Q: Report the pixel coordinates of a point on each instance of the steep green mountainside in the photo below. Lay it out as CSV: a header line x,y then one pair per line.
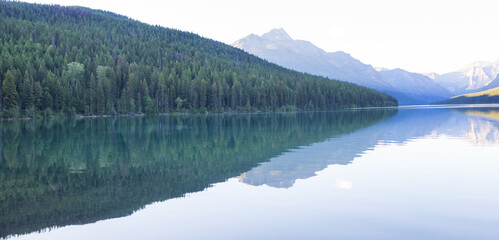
x,y
488,96
75,60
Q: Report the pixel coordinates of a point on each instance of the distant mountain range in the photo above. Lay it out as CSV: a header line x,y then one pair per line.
x,y
278,47
474,77
409,88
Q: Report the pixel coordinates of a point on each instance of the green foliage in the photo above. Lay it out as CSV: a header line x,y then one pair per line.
x,y
38,95
74,74
179,102
9,92
92,62
27,92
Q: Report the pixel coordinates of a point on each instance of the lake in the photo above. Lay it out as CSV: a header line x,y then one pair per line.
x,y
421,172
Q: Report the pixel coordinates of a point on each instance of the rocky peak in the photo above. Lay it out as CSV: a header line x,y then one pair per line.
x,y
277,34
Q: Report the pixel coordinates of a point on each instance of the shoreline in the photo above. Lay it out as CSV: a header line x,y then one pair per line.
x,y
186,113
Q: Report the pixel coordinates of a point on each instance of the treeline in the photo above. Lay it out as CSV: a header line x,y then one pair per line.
x,y
73,60
483,97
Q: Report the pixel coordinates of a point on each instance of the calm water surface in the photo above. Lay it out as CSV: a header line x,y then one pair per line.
x,y
407,173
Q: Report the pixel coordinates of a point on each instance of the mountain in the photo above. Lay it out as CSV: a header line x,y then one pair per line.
x,y
471,78
493,84
415,85
79,61
278,47
487,96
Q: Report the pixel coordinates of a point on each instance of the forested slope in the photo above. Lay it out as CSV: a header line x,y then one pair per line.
x,y
75,60
483,97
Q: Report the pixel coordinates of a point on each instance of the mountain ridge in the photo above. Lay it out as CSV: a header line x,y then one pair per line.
x,y
473,77
304,56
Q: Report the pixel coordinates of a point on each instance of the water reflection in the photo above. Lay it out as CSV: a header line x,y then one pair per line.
x,y
489,113
483,125
283,171
60,172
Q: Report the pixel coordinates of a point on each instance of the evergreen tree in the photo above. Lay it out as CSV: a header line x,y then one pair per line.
x,y
27,92
9,91
47,100
37,95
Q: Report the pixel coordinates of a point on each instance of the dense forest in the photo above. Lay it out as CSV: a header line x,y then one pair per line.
x,y
78,61
55,172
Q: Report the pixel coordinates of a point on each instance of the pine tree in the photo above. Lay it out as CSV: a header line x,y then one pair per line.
x,y
37,95
100,101
9,91
27,92
47,100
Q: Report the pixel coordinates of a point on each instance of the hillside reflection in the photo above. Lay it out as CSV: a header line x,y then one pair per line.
x,y
484,126
60,172
478,126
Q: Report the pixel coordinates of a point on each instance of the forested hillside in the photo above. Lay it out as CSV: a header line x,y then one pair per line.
x,y
74,60
488,96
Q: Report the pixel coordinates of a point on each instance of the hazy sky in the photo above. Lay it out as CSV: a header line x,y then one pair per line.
x,y
420,35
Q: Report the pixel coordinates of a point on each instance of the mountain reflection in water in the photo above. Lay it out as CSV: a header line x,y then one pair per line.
x,y
60,172
478,126
55,173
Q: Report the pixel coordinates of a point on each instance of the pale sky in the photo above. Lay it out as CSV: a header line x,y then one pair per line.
x,y
416,35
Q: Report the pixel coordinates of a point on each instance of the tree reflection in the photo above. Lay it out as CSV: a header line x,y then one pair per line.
x,y
60,172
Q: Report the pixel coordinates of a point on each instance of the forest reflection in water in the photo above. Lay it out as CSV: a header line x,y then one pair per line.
x,y
75,171
55,173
